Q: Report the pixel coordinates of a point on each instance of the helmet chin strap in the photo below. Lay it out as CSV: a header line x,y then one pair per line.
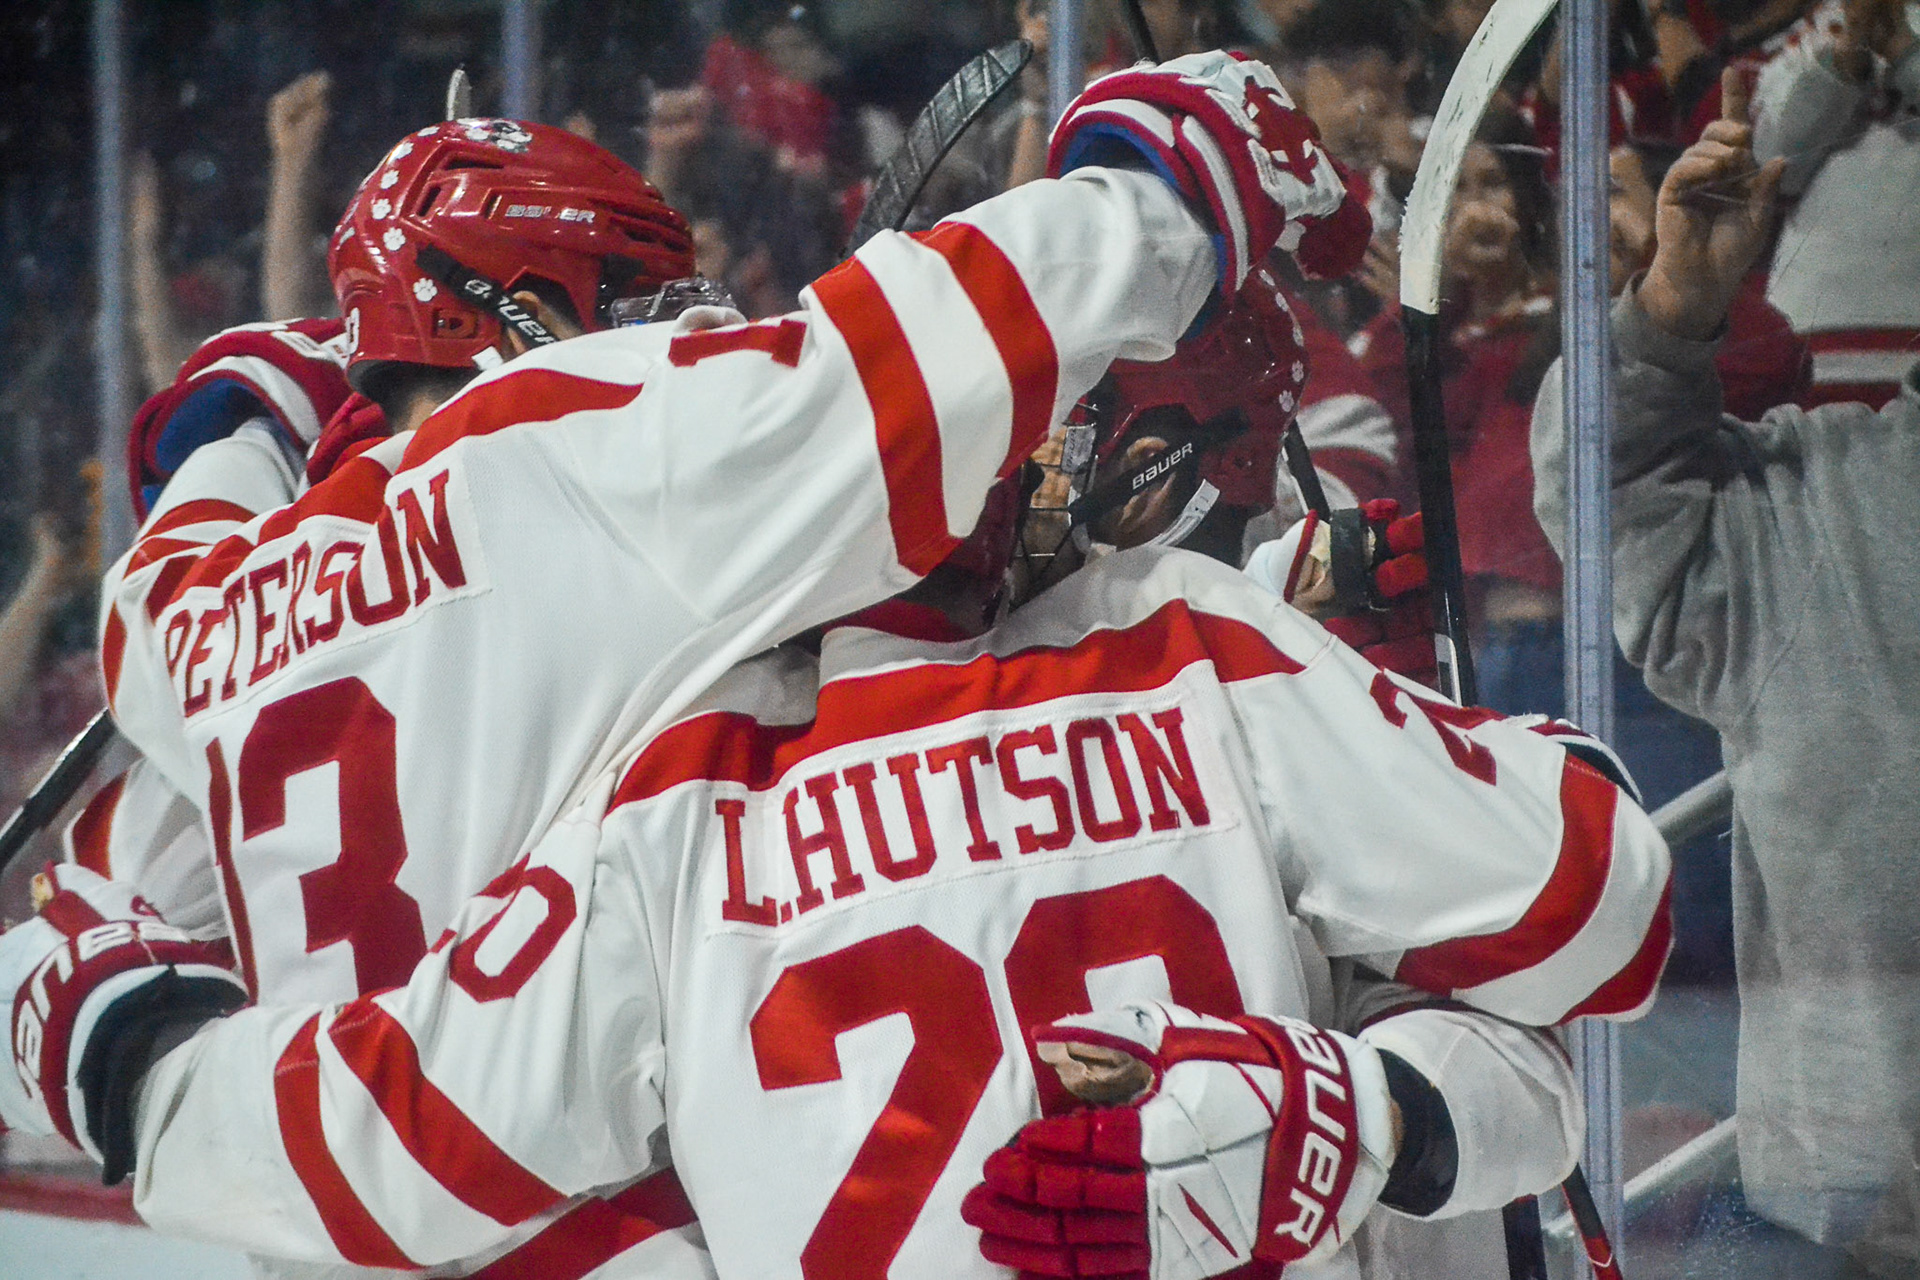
x,y
1159,468
1190,517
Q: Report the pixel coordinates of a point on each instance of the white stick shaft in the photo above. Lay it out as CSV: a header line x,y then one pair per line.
x,y
1505,30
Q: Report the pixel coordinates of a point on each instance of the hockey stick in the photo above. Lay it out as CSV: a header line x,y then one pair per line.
x,y
69,773
959,102
1506,29
459,95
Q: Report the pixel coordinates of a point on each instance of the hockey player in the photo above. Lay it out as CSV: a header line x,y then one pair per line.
x,y
801,934
1188,456
750,796
248,645
657,501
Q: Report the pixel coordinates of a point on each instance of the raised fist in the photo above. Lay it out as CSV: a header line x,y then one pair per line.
x,y
297,116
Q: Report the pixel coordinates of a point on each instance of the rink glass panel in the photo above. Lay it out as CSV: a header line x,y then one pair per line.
x,y
762,131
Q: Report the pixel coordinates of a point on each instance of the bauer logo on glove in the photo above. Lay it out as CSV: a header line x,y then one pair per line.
x,y
1218,1144
97,969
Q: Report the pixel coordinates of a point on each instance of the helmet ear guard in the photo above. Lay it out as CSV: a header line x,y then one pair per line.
x,y
1231,389
483,293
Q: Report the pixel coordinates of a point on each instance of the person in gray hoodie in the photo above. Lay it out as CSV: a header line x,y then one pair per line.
x,y
1767,580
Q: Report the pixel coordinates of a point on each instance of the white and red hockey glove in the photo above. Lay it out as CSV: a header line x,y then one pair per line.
x,y
293,374
1364,575
1222,131
88,986
1251,1143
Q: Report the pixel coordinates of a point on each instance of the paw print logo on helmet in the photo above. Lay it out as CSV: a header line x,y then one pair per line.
x,y
508,135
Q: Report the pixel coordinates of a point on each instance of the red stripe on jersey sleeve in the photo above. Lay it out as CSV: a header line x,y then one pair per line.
x,y
156,543
1633,986
165,587
92,828
296,1094
998,293
211,567
782,339
730,747
197,511
438,1135
535,395
356,491
113,651
1564,904
153,550
595,1232
905,429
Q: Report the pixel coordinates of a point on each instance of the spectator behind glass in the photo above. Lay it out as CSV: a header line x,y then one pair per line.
x,y
1181,27
49,677
293,243
174,311
1641,88
1347,64
762,229
1004,148
1840,105
1500,334
766,71
1765,578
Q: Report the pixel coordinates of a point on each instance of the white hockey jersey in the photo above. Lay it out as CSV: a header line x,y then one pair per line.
x,y
446,640
447,636
798,937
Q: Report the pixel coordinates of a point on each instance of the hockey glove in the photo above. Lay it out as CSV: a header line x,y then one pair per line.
x,y
1253,1141
1222,131
355,427
87,985
292,374
1364,575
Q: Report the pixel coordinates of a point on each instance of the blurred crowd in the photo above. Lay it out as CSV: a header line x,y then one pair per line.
x,y
763,120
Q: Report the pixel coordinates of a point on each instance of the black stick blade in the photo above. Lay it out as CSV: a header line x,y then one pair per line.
x,y
960,101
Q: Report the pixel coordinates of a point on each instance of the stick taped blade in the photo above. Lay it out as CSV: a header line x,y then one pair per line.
x,y
960,101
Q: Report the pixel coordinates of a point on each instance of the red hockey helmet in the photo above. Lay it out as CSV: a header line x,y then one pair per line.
x,y
466,204
1251,358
